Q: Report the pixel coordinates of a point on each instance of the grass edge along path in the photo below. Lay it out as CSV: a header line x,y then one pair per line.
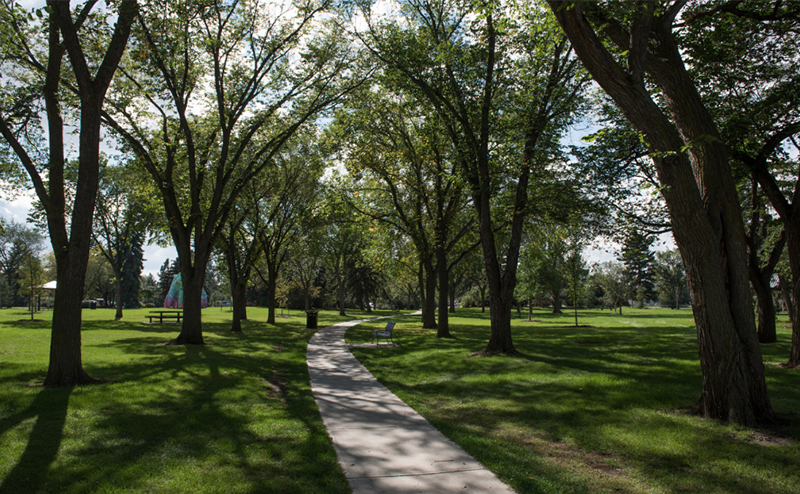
x,y
592,409
236,415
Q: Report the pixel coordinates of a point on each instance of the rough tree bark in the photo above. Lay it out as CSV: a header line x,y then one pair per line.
x,y
429,297
761,276
786,294
692,167
789,213
118,291
71,247
72,255
557,302
193,276
443,325
793,242
239,270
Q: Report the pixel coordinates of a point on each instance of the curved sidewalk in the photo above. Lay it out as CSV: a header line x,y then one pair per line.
x,y
383,445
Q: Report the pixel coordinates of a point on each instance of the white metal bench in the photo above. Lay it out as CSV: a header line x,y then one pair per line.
x,y
386,334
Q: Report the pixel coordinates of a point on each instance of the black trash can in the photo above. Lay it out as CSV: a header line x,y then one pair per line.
x,y
311,319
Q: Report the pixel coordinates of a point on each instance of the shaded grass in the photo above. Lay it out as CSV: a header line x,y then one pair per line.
x,y
591,409
233,416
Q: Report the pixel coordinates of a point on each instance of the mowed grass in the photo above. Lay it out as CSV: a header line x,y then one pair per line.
x,y
234,416
591,409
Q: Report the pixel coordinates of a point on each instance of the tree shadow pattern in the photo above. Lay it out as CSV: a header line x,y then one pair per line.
x,y
236,415
599,409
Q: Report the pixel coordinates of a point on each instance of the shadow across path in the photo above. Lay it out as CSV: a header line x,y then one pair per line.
x,y
382,444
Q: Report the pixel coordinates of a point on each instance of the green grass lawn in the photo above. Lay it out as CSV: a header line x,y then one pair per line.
x,y
591,409
234,416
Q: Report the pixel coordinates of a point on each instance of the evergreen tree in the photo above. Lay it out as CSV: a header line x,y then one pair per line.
x,y
166,274
671,278
148,289
133,263
638,261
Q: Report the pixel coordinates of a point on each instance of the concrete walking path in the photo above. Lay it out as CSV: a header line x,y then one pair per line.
x,y
384,445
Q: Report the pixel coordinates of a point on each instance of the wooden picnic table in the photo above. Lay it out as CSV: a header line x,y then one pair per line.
x,y
165,314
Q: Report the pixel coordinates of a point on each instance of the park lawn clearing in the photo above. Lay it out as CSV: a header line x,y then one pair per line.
x,y
591,409
234,416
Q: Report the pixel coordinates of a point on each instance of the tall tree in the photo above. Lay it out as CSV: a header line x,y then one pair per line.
x,y
118,229
576,274
280,219
611,276
765,246
409,181
37,68
131,272
343,232
166,274
638,260
16,243
216,93
304,267
240,249
484,76
148,288
670,277
31,278
744,60
692,167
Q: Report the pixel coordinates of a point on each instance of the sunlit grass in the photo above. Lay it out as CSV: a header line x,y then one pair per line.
x,y
591,409
236,415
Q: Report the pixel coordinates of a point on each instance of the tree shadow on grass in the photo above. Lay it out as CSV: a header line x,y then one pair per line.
x,y
238,412
50,409
549,419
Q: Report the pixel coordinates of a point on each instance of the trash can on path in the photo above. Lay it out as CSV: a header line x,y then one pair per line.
x,y
311,319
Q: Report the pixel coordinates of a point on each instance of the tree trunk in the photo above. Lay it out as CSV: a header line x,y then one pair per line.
x,y
239,303
786,294
501,278
429,302
118,292
239,270
72,250
793,248
271,289
192,279
342,294
421,285
443,326
703,206
765,307
66,367
500,337
452,299
557,302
